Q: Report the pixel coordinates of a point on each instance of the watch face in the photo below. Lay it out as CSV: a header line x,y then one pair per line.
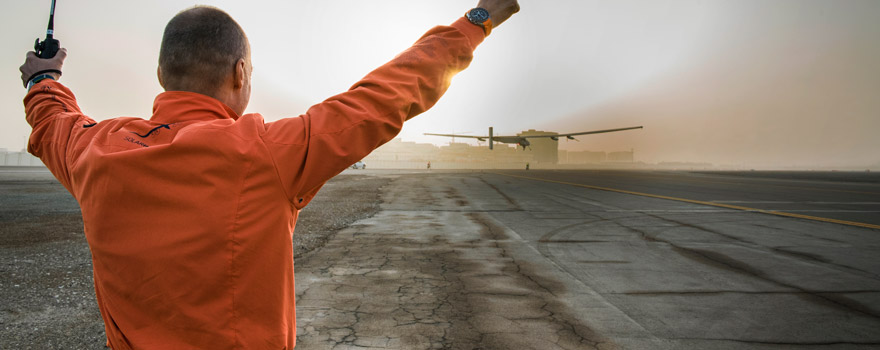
x,y
478,15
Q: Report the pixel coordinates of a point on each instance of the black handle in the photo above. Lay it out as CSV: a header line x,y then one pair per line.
x,y
47,48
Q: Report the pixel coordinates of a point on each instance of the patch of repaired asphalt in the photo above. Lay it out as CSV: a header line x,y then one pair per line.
x,y
429,272
342,201
47,297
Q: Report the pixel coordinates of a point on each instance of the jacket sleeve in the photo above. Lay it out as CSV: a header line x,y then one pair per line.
x,y
311,149
52,112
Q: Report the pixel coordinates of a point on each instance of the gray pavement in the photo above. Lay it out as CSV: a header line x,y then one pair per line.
x,y
490,261
479,260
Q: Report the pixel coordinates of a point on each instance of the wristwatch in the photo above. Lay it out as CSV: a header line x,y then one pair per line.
x,y
37,79
480,17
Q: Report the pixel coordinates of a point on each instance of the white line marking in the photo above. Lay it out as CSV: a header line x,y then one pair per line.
x,y
784,202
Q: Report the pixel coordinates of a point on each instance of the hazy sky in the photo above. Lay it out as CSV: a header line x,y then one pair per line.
x,y
767,83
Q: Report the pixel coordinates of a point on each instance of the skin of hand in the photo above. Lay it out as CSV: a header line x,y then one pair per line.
x,y
33,64
499,10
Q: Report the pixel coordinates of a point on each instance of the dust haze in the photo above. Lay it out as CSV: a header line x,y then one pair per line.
x,y
775,84
759,84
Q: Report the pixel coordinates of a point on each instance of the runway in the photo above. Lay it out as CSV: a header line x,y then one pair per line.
x,y
538,260
852,200
701,276
547,260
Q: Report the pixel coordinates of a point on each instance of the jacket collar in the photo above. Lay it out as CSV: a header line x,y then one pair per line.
x,y
178,106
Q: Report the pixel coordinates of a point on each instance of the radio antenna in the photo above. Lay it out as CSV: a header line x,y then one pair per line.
x,y
49,47
51,29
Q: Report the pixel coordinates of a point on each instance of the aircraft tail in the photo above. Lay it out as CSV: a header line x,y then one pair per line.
x,y
490,138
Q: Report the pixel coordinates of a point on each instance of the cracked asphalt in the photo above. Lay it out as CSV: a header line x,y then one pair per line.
x,y
431,271
484,261
470,260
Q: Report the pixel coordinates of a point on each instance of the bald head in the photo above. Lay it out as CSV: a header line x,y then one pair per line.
x,y
200,50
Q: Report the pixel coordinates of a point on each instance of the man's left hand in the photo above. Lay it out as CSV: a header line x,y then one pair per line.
x,y
33,64
499,10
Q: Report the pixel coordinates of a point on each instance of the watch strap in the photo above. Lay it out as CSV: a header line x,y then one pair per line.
x,y
485,24
44,71
39,78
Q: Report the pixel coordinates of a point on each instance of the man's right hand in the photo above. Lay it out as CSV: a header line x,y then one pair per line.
x,y
499,10
33,64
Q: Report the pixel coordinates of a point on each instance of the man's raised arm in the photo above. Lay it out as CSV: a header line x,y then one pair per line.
x,y
51,110
347,127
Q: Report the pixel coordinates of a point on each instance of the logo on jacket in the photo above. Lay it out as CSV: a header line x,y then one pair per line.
x,y
154,130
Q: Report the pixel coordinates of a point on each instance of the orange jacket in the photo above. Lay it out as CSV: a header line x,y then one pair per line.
x,y
189,215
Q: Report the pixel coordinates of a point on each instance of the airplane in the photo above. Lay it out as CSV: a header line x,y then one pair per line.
x,y
523,140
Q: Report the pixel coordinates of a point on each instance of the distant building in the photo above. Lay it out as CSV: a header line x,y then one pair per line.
x,y
399,150
543,153
546,150
624,156
581,157
402,154
685,165
18,158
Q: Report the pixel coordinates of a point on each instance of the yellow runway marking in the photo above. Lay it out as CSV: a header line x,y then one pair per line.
x,y
751,184
722,205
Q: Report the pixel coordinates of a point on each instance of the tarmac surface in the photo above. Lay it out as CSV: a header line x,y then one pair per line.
x,y
508,260
521,260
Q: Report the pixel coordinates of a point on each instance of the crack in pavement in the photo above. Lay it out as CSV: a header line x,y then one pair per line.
x,y
824,294
439,279
781,250
717,259
551,289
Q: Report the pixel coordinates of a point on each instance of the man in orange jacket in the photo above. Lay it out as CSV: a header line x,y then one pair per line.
x,y
189,214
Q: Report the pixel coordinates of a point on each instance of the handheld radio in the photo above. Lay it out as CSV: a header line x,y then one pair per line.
x,y
48,47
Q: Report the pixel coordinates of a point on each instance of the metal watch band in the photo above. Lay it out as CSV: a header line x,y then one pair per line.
x,y
37,79
480,17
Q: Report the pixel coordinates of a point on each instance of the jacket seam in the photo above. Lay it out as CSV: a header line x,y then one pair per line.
x,y
232,260
290,199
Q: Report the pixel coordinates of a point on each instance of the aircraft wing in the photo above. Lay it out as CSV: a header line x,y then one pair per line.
x,y
522,139
583,133
466,136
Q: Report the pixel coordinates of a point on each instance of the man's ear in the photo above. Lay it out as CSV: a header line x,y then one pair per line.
x,y
239,74
159,75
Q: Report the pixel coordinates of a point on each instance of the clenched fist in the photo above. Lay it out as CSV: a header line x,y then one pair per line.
x,y
33,64
499,10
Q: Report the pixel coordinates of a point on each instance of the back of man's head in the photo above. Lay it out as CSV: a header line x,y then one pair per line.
x,y
200,48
